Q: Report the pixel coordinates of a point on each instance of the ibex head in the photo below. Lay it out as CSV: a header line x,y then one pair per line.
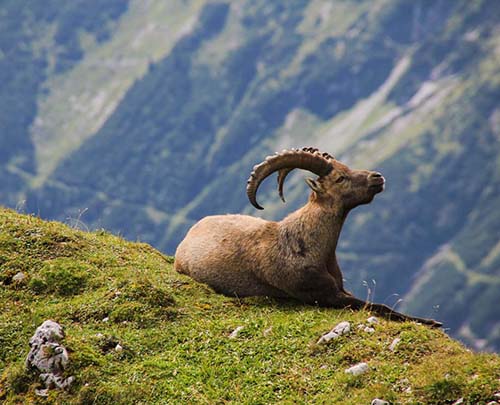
x,y
337,186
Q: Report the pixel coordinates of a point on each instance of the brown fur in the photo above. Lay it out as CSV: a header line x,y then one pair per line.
x,y
239,255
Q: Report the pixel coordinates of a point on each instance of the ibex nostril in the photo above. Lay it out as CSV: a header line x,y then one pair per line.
x,y
375,174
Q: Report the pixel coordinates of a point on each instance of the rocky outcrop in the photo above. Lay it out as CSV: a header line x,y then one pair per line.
x,y
49,357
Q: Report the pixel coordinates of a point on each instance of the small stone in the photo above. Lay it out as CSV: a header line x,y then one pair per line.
x,y
56,381
368,329
405,385
19,277
341,329
358,369
118,348
268,331
48,331
372,320
394,344
99,335
497,395
105,319
235,332
327,337
458,401
44,393
377,401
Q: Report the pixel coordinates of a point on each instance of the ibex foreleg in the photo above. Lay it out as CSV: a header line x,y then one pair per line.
x,y
347,300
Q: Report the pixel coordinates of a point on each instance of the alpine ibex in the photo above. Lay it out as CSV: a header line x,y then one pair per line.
x,y
240,255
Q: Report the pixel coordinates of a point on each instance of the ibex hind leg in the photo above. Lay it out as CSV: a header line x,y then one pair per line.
x,y
346,300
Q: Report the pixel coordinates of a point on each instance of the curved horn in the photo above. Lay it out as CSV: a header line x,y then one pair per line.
x,y
284,172
281,180
307,158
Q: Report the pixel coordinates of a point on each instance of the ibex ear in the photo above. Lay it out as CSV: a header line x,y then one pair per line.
x,y
315,185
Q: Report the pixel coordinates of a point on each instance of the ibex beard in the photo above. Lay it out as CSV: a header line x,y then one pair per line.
x,y
241,255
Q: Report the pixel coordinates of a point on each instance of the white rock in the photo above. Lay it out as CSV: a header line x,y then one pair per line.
x,y
118,348
48,331
99,335
42,392
497,395
372,320
18,277
48,356
235,332
377,401
105,319
394,344
357,369
56,381
458,401
267,331
368,329
327,337
342,328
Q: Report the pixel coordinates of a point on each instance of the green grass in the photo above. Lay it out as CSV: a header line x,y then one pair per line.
x,y
175,334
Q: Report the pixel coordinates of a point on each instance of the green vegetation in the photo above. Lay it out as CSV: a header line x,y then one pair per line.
x,y
147,116
175,332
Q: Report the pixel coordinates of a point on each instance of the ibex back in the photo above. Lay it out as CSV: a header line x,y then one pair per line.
x,y
240,255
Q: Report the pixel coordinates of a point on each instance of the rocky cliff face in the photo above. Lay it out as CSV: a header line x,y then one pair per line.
x,y
152,116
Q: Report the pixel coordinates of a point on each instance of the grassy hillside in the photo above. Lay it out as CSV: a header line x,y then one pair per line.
x,y
175,334
147,116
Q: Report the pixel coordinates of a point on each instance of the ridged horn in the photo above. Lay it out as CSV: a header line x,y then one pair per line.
x,y
306,158
284,172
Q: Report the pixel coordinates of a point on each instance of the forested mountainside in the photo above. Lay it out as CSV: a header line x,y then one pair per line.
x,y
141,117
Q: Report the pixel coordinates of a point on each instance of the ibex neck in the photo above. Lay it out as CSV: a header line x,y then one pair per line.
x,y
319,229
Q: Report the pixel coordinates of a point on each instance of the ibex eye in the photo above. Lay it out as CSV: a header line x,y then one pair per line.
x,y
340,179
